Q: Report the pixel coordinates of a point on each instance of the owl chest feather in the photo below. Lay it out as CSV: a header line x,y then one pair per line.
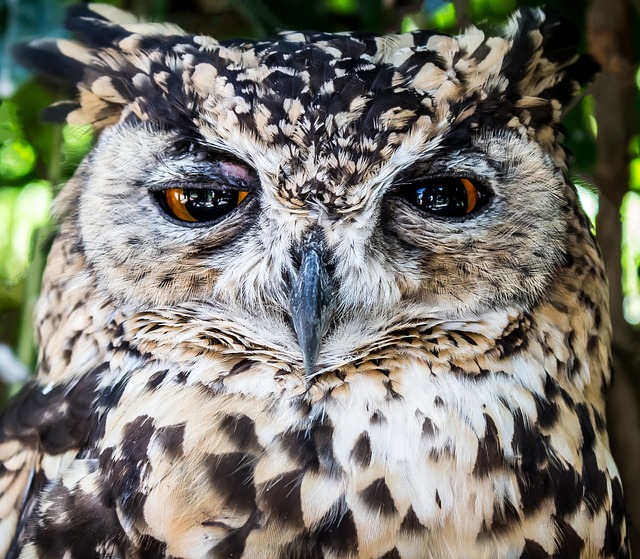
x,y
394,459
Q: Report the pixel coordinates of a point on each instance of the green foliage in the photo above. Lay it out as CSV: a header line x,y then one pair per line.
x,y
589,201
491,9
634,164
22,210
17,156
444,17
76,143
580,137
343,7
17,159
631,256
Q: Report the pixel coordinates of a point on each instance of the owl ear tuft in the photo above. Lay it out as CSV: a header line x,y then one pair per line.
x,y
101,63
542,74
560,46
544,61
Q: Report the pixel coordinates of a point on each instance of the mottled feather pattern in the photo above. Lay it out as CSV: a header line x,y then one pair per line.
x,y
455,405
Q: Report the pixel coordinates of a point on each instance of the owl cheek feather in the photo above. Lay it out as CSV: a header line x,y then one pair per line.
x,y
310,300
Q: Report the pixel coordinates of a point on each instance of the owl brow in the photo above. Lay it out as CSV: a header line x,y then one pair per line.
x,y
436,165
187,141
201,151
451,153
206,173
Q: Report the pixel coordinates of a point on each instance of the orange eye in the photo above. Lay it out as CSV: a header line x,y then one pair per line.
x,y
472,194
446,196
199,204
177,204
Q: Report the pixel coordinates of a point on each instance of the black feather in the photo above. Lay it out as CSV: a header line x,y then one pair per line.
x,y
560,37
94,32
44,57
83,11
59,111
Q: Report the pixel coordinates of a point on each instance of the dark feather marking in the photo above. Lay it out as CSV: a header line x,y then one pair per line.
x,y
429,429
232,476
59,418
466,337
92,29
516,339
156,379
151,548
361,452
548,412
44,57
75,522
171,438
232,546
490,452
410,523
595,481
241,366
124,473
614,543
534,479
182,377
302,547
568,488
533,550
241,429
301,448
108,399
570,544
505,517
55,421
322,437
280,498
378,497
337,531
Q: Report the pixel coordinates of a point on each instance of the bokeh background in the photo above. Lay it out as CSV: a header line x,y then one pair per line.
x,y
602,132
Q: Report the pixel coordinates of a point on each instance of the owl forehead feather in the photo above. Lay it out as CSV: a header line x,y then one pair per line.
x,y
299,86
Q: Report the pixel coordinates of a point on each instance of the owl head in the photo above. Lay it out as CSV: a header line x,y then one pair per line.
x,y
319,192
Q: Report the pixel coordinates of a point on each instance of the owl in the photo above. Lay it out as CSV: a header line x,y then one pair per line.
x,y
326,296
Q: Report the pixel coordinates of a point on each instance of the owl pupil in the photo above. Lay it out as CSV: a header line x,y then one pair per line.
x,y
439,199
206,205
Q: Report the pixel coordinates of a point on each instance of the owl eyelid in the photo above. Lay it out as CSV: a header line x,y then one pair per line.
x,y
231,186
212,160
409,181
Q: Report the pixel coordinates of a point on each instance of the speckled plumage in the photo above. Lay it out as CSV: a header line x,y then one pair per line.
x,y
455,407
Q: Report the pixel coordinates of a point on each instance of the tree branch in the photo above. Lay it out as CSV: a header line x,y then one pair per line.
x,y
610,40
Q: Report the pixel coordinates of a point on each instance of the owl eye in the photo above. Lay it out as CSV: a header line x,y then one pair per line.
x,y
446,196
199,204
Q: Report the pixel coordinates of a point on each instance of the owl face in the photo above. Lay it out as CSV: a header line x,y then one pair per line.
x,y
321,186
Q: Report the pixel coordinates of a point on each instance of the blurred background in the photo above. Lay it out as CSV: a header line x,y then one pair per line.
x,y
602,132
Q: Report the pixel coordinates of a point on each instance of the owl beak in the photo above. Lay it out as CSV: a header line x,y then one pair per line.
x,y
310,301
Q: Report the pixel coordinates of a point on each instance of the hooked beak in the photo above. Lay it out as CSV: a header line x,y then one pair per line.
x,y
310,301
